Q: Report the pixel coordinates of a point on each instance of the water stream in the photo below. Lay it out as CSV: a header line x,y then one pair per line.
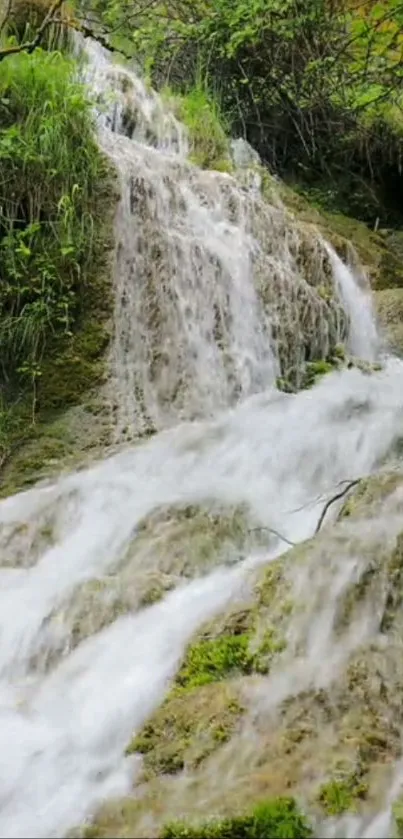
x,y
195,357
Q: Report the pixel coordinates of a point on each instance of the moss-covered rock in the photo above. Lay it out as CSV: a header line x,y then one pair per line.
x,y
370,493
275,819
188,728
381,255
389,307
322,720
171,544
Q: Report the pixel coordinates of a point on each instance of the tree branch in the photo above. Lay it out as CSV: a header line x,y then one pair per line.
x,y
275,532
334,498
30,46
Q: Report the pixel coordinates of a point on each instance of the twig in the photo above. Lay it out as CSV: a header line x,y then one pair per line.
x,y
333,499
275,532
317,499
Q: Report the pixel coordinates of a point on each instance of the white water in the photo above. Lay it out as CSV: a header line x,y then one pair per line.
x,y
64,728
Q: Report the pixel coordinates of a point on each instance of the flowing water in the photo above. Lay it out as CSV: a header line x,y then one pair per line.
x,y
210,292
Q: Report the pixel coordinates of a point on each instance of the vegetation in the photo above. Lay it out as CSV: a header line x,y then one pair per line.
x,y
54,212
199,110
274,819
339,795
187,729
315,86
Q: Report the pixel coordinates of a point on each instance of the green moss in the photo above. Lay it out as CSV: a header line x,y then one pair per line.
x,y
277,818
212,659
314,370
339,795
187,729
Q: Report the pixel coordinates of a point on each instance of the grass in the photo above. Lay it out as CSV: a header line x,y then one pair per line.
x,y
208,130
275,819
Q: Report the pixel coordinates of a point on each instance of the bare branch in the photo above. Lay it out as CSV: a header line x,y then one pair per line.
x,y
275,533
333,499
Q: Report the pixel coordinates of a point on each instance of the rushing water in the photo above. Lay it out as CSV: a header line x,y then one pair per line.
x,y
224,434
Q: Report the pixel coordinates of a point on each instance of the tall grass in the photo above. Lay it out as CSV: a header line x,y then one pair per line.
x,y
199,109
51,177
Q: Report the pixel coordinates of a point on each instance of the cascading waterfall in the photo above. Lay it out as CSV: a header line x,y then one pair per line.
x,y
215,292
216,289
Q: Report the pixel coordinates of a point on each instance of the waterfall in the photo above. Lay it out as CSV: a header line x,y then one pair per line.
x,y
217,291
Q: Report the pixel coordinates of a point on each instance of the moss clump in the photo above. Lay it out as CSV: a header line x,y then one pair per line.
x,y
212,659
187,729
341,794
276,819
314,370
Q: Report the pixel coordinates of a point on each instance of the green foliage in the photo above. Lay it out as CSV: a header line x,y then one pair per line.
x,y
316,87
274,819
52,192
338,796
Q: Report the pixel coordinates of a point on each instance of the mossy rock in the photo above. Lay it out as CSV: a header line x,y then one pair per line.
x,y
380,256
269,817
188,728
389,308
171,544
370,493
333,746
72,438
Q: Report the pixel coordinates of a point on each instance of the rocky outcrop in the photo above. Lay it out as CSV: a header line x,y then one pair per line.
x,y
296,690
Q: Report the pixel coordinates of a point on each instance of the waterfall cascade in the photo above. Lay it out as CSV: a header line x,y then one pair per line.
x,y
216,292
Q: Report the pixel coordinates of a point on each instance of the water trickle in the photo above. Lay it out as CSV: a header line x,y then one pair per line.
x,y
216,291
